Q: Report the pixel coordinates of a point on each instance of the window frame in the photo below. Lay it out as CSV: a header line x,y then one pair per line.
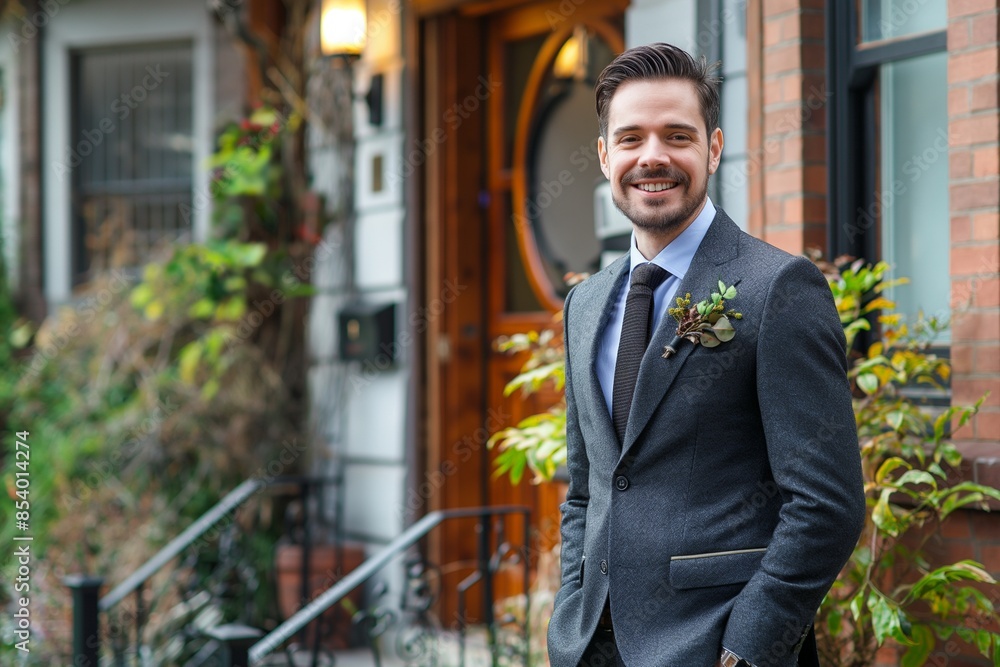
x,y
852,121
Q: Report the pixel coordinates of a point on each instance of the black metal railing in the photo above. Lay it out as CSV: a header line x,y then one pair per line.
x,y
127,629
489,562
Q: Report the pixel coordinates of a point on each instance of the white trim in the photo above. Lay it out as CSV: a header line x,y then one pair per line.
x,y
10,166
719,553
103,23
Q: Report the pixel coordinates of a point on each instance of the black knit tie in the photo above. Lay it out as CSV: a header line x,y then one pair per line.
x,y
636,330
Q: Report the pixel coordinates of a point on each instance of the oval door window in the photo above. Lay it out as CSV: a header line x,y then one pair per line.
x,y
561,169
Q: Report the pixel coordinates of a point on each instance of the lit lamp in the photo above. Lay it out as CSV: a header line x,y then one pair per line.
x,y
571,61
343,28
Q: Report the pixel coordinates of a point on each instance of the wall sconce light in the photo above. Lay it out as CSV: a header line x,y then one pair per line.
x,y
571,61
343,34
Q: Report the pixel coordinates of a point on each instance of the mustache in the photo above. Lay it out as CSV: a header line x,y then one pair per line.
x,y
666,174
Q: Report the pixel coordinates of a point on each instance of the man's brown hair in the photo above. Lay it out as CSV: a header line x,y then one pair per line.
x,y
660,61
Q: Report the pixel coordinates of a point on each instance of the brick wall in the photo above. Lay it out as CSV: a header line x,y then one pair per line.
x,y
787,202
974,135
789,147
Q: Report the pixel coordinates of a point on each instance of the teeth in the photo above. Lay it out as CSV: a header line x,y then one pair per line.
x,y
656,187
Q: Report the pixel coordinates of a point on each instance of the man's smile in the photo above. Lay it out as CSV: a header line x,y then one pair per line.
x,y
659,186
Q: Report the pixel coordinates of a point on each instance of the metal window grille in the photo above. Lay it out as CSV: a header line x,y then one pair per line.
x,y
131,155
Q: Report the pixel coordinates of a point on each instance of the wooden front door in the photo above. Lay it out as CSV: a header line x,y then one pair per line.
x,y
487,82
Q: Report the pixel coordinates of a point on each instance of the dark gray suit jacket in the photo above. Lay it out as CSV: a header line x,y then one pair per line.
x,y
737,495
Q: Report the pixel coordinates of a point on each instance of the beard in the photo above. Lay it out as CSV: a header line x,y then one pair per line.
x,y
665,217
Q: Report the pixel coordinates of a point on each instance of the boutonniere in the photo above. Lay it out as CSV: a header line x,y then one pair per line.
x,y
707,322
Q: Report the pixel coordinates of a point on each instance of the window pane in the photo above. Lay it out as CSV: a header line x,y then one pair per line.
x,y
914,181
132,153
885,19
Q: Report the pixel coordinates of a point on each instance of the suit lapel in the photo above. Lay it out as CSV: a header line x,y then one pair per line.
x,y
720,246
587,340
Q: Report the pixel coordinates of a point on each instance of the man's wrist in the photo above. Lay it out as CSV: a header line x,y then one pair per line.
x,y
730,659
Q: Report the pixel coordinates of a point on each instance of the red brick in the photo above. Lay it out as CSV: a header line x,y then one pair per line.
x,y
960,164
782,59
958,34
975,259
956,526
772,212
961,358
984,96
951,551
985,527
961,293
986,162
984,29
961,229
972,66
815,179
976,130
772,32
804,210
987,359
966,391
987,292
813,25
787,180
773,91
957,8
978,326
789,240
791,87
773,8
965,196
986,226
989,556
988,428
958,100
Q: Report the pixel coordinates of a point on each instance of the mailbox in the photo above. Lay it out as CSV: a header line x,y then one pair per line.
x,y
367,331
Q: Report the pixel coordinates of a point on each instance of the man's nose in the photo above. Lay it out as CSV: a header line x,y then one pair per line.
x,y
654,153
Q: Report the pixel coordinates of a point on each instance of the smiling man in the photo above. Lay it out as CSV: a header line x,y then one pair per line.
x,y
715,492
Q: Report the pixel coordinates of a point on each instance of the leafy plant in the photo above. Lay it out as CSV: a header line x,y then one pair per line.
x,y
889,589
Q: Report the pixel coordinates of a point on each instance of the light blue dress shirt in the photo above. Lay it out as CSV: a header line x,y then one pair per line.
x,y
675,258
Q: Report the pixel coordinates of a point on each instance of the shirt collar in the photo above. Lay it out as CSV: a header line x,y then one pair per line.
x,y
677,256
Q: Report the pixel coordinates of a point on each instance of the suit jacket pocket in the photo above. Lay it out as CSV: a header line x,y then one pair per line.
x,y
719,568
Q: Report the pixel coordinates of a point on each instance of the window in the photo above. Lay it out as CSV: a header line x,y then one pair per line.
x,y
888,143
131,157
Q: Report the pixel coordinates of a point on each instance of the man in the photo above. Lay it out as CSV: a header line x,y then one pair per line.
x,y
715,494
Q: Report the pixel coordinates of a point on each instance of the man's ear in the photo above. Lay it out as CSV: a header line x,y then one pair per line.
x,y
602,153
715,145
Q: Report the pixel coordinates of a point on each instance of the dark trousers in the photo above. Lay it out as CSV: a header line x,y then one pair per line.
x,y
602,650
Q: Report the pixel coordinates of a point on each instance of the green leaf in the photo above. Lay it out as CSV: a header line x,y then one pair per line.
x,y
888,466
722,287
189,357
202,309
917,477
983,641
868,382
918,652
883,516
730,293
723,329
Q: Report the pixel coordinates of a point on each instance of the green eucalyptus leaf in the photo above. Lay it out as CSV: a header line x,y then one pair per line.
x,y
723,329
708,339
730,293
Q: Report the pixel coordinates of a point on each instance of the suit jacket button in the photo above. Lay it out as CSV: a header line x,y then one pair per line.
x,y
621,482
604,566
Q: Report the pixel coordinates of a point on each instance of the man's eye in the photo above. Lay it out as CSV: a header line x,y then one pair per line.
x,y
680,137
629,140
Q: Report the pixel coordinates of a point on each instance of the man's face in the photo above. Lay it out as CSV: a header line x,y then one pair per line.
x,y
658,154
